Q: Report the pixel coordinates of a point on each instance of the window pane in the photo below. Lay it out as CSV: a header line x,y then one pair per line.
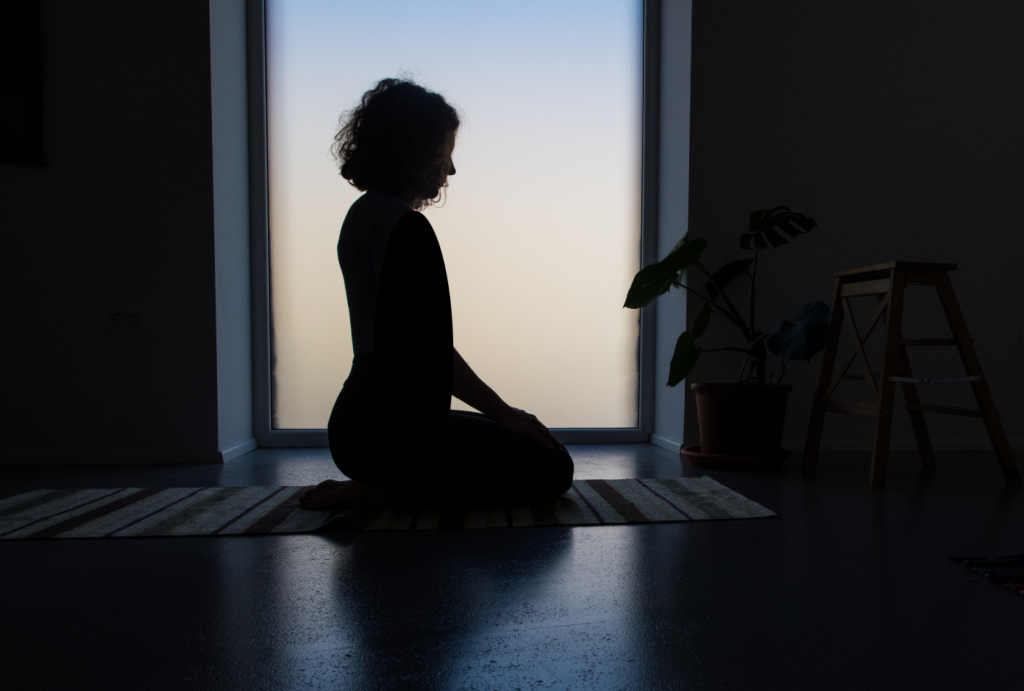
x,y
541,226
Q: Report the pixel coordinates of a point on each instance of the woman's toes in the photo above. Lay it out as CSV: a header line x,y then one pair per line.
x,y
325,495
331,494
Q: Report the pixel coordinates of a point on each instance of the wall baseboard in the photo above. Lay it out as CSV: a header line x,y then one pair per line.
x,y
233,452
198,458
665,443
982,444
797,446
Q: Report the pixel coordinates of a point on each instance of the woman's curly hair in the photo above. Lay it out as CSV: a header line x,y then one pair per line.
x,y
394,141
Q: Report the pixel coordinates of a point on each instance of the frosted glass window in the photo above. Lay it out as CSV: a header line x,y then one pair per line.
x,y
541,227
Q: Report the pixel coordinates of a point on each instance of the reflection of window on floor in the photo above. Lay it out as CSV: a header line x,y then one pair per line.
x,y
541,229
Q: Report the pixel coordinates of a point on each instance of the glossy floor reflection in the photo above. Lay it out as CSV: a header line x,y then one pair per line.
x,y
850,588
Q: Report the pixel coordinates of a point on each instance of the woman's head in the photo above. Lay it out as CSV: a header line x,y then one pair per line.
x,y
398,140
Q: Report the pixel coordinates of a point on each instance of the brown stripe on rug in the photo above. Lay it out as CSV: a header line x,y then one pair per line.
x,y
60,504
627,509
204,502
161,508
277,515
177,511
667,501
99,512
42,497
586,503
252,508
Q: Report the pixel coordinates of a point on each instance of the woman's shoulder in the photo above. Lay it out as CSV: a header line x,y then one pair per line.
x,y
374,211
381,204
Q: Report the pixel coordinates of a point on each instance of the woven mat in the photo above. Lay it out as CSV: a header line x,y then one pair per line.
x,y
181,511
1007,571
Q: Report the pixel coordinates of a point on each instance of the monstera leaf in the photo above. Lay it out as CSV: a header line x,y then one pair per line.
x,y
763,224
726,275
700,324
656,279
801,340
684,359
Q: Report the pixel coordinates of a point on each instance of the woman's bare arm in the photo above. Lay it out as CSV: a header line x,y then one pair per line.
x,y
471,390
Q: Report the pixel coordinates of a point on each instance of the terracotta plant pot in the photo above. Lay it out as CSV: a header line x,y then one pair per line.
x,y
740,425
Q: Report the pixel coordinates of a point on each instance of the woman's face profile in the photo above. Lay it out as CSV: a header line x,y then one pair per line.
x,y
446,164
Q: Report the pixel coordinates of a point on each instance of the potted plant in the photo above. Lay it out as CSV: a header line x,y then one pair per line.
x,y
740,423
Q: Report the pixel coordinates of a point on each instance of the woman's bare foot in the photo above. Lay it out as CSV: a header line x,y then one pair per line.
x,y
331,494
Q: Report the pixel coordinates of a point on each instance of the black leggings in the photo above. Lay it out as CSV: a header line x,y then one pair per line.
x,y
477,462
392,426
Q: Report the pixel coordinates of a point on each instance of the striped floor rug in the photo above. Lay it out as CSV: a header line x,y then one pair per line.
x,y
180,511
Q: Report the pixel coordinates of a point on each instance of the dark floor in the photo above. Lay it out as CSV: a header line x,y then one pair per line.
x,y
850,588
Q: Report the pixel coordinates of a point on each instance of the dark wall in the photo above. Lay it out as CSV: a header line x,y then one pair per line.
x,y
899,126
120,217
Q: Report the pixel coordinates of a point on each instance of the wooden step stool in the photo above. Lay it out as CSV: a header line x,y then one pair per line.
x,y
888,282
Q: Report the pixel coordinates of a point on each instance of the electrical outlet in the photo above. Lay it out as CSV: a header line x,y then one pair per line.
x,y
122,321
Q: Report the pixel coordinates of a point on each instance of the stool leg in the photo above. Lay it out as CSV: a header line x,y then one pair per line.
x,y
883,426
828,363
924,442
969,356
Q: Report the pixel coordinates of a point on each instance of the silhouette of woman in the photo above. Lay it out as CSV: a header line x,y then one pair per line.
x,y
392,430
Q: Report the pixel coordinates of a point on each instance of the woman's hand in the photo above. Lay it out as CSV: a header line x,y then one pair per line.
x,y
469,388
522,422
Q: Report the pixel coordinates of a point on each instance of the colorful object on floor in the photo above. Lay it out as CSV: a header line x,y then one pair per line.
x,y
181,511
1007,571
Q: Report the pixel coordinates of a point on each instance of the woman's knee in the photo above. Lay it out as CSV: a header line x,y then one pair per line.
x,y
566,469
557,472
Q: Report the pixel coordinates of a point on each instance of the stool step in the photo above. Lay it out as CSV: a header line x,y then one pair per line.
x,y
877,287
850,407
945,409
927,341
926,380
914,266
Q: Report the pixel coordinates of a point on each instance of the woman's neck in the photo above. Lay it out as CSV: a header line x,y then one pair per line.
x,y
410,202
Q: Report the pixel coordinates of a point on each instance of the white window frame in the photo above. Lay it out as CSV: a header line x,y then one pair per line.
x,y
260,244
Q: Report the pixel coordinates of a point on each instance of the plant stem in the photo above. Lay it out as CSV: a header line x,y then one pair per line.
x,y
738,320
705,299
743,367
759,361
753,282
756,340
757,346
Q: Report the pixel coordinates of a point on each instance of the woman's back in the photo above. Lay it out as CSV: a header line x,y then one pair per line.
x,y
361,249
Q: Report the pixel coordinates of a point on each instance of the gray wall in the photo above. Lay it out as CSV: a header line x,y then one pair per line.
x,y
231,225
898,127
673,201
122,216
